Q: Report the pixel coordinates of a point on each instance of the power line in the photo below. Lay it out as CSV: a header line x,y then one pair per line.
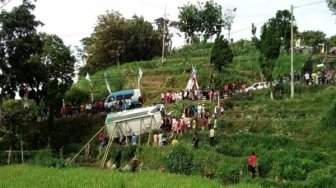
x,y
246,28
5,4
299,6
316,2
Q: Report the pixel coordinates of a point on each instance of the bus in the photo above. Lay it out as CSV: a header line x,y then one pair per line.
x,y
135,121
123,100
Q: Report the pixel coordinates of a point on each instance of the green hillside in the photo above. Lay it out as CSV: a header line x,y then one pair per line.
x,y
293,142
173,74
294,139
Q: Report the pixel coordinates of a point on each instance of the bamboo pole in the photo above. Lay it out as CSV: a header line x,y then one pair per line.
x,y
87,144
140,131
151,129
102,165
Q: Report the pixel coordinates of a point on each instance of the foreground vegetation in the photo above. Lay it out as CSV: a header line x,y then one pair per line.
x,y
34,176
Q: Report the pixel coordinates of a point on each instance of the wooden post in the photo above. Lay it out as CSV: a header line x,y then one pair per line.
x,y
126,123
140,132
87,144
108,148
150,131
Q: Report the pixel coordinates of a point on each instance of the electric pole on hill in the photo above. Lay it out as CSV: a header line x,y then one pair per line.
x,y
163,35
292,55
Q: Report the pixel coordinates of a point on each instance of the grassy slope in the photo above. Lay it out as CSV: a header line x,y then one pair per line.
x,y
174,73
275,129
33,176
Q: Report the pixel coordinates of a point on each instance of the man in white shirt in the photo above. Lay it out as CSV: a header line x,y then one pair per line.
x,y
212,137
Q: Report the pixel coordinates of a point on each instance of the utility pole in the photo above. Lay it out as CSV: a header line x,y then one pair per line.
x,y
163,35
292,55
230,15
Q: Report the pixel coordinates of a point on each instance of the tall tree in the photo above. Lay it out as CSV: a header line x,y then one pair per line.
x,y
18,42
189,21
332,5
55,62
274,36
211,16
14,126
281,22
313,38
332,41
169,25
221,54
108,40
116,39
144,42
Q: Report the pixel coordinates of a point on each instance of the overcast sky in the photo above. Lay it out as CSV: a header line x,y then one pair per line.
x,y
73,20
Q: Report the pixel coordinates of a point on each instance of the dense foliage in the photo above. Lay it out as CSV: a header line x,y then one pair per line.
x,y
332,5
221,54
30,60
206,19
116,39
181,160
313,39
18,42
275,34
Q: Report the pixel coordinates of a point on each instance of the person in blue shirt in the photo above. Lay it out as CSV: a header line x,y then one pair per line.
x,y
134,139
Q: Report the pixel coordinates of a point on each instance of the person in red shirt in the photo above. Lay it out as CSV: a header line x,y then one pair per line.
x,y
252,164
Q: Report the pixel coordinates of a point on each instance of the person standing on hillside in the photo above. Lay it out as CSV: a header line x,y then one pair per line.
x,y
194,125
155,139
160,139
195,141
134,139
307,78
252,164
212,137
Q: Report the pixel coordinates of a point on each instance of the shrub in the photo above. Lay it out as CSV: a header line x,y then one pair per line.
x,y
230,172
46,158
265,164
329,120
77,95
129,152
230,150
291,169
322,178
228,105
180,160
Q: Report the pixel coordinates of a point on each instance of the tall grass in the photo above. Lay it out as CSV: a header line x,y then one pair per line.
x,y
33,176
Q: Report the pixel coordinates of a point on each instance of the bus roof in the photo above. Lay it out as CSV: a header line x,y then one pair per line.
x,y
123,94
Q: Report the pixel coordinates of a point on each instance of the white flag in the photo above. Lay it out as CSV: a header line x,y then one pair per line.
x,y
63,102
139,76
87,77
107,83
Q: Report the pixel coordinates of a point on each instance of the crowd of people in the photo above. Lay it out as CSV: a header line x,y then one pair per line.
x,y
320,77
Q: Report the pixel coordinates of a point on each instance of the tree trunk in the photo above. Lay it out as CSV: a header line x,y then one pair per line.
x,y
21,145
10,155
50,125
271,89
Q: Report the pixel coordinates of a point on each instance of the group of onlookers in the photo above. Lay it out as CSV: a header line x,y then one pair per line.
x,y
320,77
196,94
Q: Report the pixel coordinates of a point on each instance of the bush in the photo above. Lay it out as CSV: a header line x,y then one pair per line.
x,y
329,120
230,172
77,96
322,178
230,150
129,152
46,158
265,164
291,169
181,160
